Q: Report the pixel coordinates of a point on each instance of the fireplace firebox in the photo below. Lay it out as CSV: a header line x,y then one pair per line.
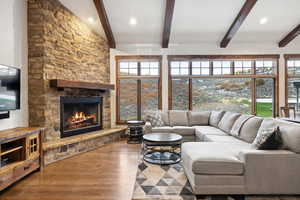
x,y
80,115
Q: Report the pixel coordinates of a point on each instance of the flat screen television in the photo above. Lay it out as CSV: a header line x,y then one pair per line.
x,y
10,86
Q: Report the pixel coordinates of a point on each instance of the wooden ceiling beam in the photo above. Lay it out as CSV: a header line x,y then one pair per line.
x,y
105,23
168,23
247,7
289,37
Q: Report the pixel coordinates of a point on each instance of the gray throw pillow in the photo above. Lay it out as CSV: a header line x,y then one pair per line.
x,y
227,121
215,117
268,139
154,118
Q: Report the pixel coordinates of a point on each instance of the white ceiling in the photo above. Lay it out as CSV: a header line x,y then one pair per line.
x,y
194,21
85,9
149,15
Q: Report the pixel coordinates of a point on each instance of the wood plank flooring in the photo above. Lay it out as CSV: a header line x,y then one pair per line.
x,y
107,173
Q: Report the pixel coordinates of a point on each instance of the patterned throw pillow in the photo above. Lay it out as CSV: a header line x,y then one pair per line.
x,y
268,139
154,118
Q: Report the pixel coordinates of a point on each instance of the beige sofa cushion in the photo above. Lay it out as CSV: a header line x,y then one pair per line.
x,y
211,158
227,121
225,139
165,117
250,128
184,130
290,133
200,118
215,117
163,129
200,131
178,118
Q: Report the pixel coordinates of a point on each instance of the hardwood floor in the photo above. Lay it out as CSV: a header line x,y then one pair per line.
x,y
107,173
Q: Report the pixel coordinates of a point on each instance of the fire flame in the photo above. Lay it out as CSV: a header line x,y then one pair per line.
x,y
79,116
80,119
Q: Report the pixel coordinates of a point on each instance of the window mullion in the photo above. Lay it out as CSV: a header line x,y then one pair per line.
x,y
191,87
139,99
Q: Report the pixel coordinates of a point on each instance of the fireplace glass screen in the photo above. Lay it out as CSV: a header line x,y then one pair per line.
x,y
80,115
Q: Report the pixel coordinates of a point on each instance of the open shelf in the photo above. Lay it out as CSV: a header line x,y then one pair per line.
x,y
12,152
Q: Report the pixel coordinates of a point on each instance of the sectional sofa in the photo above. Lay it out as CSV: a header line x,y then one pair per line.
x,y
218,157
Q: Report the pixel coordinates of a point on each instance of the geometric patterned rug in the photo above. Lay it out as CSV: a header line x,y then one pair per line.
x,y
168,182
161,182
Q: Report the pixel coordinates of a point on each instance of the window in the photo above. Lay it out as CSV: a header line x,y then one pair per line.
x,y
265,67
138,86
150,68
180,93
200,68
128,99
242,67
244,84
231,94
293,83
128,68
264,97
293,66
180,68
221,67
149,95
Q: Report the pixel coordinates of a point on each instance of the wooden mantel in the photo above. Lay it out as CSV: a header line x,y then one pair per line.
x,y
61,84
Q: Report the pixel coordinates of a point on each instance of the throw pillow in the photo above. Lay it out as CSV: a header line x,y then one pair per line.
x,y
154,118
268,139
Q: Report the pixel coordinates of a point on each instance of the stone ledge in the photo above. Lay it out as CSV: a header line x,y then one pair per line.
x,y
81,138
71,146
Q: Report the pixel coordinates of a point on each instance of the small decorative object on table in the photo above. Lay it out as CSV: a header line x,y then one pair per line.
x,y
135,131
162,148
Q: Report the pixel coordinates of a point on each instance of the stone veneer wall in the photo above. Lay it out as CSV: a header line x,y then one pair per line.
x,y
61,46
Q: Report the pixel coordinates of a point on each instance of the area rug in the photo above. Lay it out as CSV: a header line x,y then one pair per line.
x,y
168,182
161,182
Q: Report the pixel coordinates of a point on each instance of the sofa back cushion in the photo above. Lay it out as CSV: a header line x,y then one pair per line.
x,y
178,118
235,131
198,118
250,129
215,117
290,135
165,117
227,121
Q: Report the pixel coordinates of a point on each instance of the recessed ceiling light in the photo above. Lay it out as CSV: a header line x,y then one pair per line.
x,y
132,21
263,20
91,20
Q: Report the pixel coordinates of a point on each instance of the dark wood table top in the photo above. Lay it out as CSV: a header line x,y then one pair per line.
x,y
162,137
135,122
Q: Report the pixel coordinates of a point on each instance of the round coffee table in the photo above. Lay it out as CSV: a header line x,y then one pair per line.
x,y
162,148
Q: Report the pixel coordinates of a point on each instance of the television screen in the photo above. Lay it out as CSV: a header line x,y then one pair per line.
x,y
9,88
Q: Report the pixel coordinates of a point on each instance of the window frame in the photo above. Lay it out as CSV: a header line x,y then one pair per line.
x,y
138,78
232,59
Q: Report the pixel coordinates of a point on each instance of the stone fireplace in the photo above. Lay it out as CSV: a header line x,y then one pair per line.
x,y
62,47
80,115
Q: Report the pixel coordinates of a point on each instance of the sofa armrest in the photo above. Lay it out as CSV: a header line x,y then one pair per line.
x,y
147,127
271,172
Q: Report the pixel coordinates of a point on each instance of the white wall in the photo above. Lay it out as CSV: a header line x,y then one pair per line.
x,y
14,52
203,49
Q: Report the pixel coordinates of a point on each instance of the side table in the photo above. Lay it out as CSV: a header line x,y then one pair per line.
x,y
135,131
